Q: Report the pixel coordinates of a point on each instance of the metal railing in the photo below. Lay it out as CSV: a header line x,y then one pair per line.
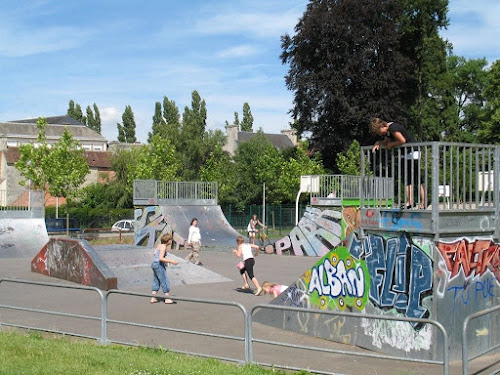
x,y
465,353
438,325
153,192
439,178
22,203
337,190
248,338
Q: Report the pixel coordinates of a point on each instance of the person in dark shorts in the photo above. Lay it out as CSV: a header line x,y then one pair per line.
x,y
395,135
245,250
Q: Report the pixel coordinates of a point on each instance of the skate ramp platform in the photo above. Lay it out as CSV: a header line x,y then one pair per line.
x,y
112,266
73,260
22,238
132,266
153,221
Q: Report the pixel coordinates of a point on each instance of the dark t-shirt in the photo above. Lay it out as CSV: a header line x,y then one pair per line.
x,y
394,127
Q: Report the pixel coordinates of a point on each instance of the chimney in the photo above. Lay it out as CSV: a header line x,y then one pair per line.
x,y
231,139
290,134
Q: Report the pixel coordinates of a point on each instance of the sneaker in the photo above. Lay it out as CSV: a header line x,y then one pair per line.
x,y
199,264
258,292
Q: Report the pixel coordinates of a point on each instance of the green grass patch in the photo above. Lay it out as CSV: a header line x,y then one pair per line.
x,y
35,354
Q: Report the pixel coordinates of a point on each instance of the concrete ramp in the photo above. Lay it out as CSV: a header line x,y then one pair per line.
x,y
22,238
132,266
152,221
73,260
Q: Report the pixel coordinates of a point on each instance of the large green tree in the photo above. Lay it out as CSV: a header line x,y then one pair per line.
x,y
418,28
126,130
345,65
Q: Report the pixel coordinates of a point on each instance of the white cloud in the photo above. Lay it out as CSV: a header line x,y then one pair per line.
x,y
267,24
18,42
243,50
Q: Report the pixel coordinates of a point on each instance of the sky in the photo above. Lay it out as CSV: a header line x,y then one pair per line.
x,y
118,53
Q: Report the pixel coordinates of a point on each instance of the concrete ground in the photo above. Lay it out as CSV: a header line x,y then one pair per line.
x,y
190,316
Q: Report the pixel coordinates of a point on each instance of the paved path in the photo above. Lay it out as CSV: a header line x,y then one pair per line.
x,y
192,316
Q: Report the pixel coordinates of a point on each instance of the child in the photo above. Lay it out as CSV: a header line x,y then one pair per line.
x,y
194,239
252,227
274,289
245,251
160,277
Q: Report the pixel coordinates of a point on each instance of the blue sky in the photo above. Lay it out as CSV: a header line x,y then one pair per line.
x,y
118,53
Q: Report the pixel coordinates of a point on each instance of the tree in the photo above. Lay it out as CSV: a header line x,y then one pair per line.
x,y
350,162
490,130
220,168
91,123
159,124
345,65
468,81
247,122
156,161
59,169
97,119
191,137
418,27
67,166
71,109
296,165
126,131
257,162
236,119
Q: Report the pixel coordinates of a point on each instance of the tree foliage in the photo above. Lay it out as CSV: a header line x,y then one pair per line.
x,y
126,130
345,65
490,132
247,121
349,163
59,169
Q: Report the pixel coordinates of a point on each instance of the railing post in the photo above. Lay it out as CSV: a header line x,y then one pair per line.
x,y
496,191
104,319
435,189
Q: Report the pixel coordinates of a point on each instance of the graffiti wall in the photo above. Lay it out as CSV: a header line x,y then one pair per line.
x,y
397,275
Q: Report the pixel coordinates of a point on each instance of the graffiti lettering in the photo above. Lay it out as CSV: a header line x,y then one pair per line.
x,y
472,258
482,290
339,280
400,273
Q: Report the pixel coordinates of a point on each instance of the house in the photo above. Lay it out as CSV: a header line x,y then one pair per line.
x,y
15,133
18,132
286,139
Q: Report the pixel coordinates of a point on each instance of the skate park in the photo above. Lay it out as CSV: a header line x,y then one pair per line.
x,y
438,265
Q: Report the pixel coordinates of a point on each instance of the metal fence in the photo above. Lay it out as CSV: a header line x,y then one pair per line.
x,y
493,336
438,178
248,338
22,203
153,192
338,190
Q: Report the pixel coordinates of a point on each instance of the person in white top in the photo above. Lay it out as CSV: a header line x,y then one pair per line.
x,y
245,250
252,227
194,240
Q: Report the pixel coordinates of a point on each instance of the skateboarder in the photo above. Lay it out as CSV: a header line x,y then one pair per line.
x,y
160,277
245,251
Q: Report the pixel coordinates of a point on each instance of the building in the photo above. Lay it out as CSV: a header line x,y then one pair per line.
x,y
286,139
18,132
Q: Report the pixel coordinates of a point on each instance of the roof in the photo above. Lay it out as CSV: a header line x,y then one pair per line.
x,y
54,120
279,141
95,159
53,132
98,159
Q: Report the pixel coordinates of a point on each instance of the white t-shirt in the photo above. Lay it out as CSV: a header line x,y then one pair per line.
x,y
246,251
194,234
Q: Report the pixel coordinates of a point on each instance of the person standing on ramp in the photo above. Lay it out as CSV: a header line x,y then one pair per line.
x,y
194,240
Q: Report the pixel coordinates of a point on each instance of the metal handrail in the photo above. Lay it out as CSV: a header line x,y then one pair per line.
x,y
444,362
465,359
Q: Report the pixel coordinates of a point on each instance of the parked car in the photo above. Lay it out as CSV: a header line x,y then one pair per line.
x,y
60,225
123,226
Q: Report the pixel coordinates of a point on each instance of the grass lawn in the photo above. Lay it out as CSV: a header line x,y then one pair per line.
x,y
35,354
